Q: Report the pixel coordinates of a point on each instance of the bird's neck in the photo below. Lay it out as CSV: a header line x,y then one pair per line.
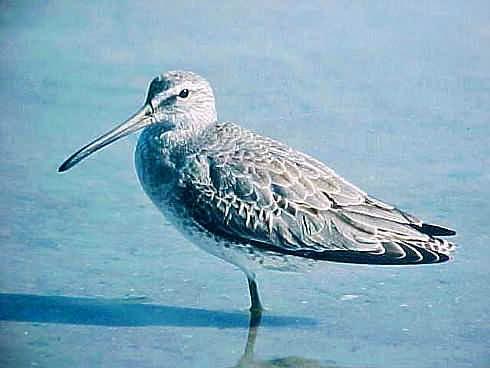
x,y
171,147
183,142
159,156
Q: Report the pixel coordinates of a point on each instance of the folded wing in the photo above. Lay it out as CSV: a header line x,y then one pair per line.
x,y
249,188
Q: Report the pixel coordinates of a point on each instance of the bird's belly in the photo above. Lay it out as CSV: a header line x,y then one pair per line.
x,y
245,256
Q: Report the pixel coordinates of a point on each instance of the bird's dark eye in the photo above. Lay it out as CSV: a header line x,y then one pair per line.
x,y
184,93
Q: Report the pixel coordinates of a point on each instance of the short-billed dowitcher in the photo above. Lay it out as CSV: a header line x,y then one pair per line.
x,y
253,201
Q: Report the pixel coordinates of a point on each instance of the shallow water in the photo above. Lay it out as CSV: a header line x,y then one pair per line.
x,y
393,96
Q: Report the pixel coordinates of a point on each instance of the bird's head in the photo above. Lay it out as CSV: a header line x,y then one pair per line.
x,y
177,100
183,100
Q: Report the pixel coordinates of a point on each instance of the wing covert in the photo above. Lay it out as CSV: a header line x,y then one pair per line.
x,y
254,189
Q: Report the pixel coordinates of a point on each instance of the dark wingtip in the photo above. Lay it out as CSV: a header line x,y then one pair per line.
x,y
434,230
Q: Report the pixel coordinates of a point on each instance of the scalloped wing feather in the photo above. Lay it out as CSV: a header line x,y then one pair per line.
x,y
251,188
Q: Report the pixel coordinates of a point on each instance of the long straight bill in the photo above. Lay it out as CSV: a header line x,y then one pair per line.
x,y
136,122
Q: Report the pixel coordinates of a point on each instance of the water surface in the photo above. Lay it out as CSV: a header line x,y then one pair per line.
x,y
393,96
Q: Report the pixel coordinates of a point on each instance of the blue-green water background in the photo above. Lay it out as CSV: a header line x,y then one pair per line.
x,y
395,96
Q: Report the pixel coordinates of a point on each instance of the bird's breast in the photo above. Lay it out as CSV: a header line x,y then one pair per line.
x,y
155,168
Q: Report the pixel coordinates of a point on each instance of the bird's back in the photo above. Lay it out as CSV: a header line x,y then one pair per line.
x,y
251,189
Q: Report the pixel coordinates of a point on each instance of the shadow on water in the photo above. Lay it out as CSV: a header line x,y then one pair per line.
x,y
132,312
125,313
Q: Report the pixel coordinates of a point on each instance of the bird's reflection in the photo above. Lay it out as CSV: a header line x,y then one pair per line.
x,y
247,360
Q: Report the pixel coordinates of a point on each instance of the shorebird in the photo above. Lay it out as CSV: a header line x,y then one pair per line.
x,y
253,201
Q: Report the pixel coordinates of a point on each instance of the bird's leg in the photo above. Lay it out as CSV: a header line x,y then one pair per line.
x,y
256,307
253,327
